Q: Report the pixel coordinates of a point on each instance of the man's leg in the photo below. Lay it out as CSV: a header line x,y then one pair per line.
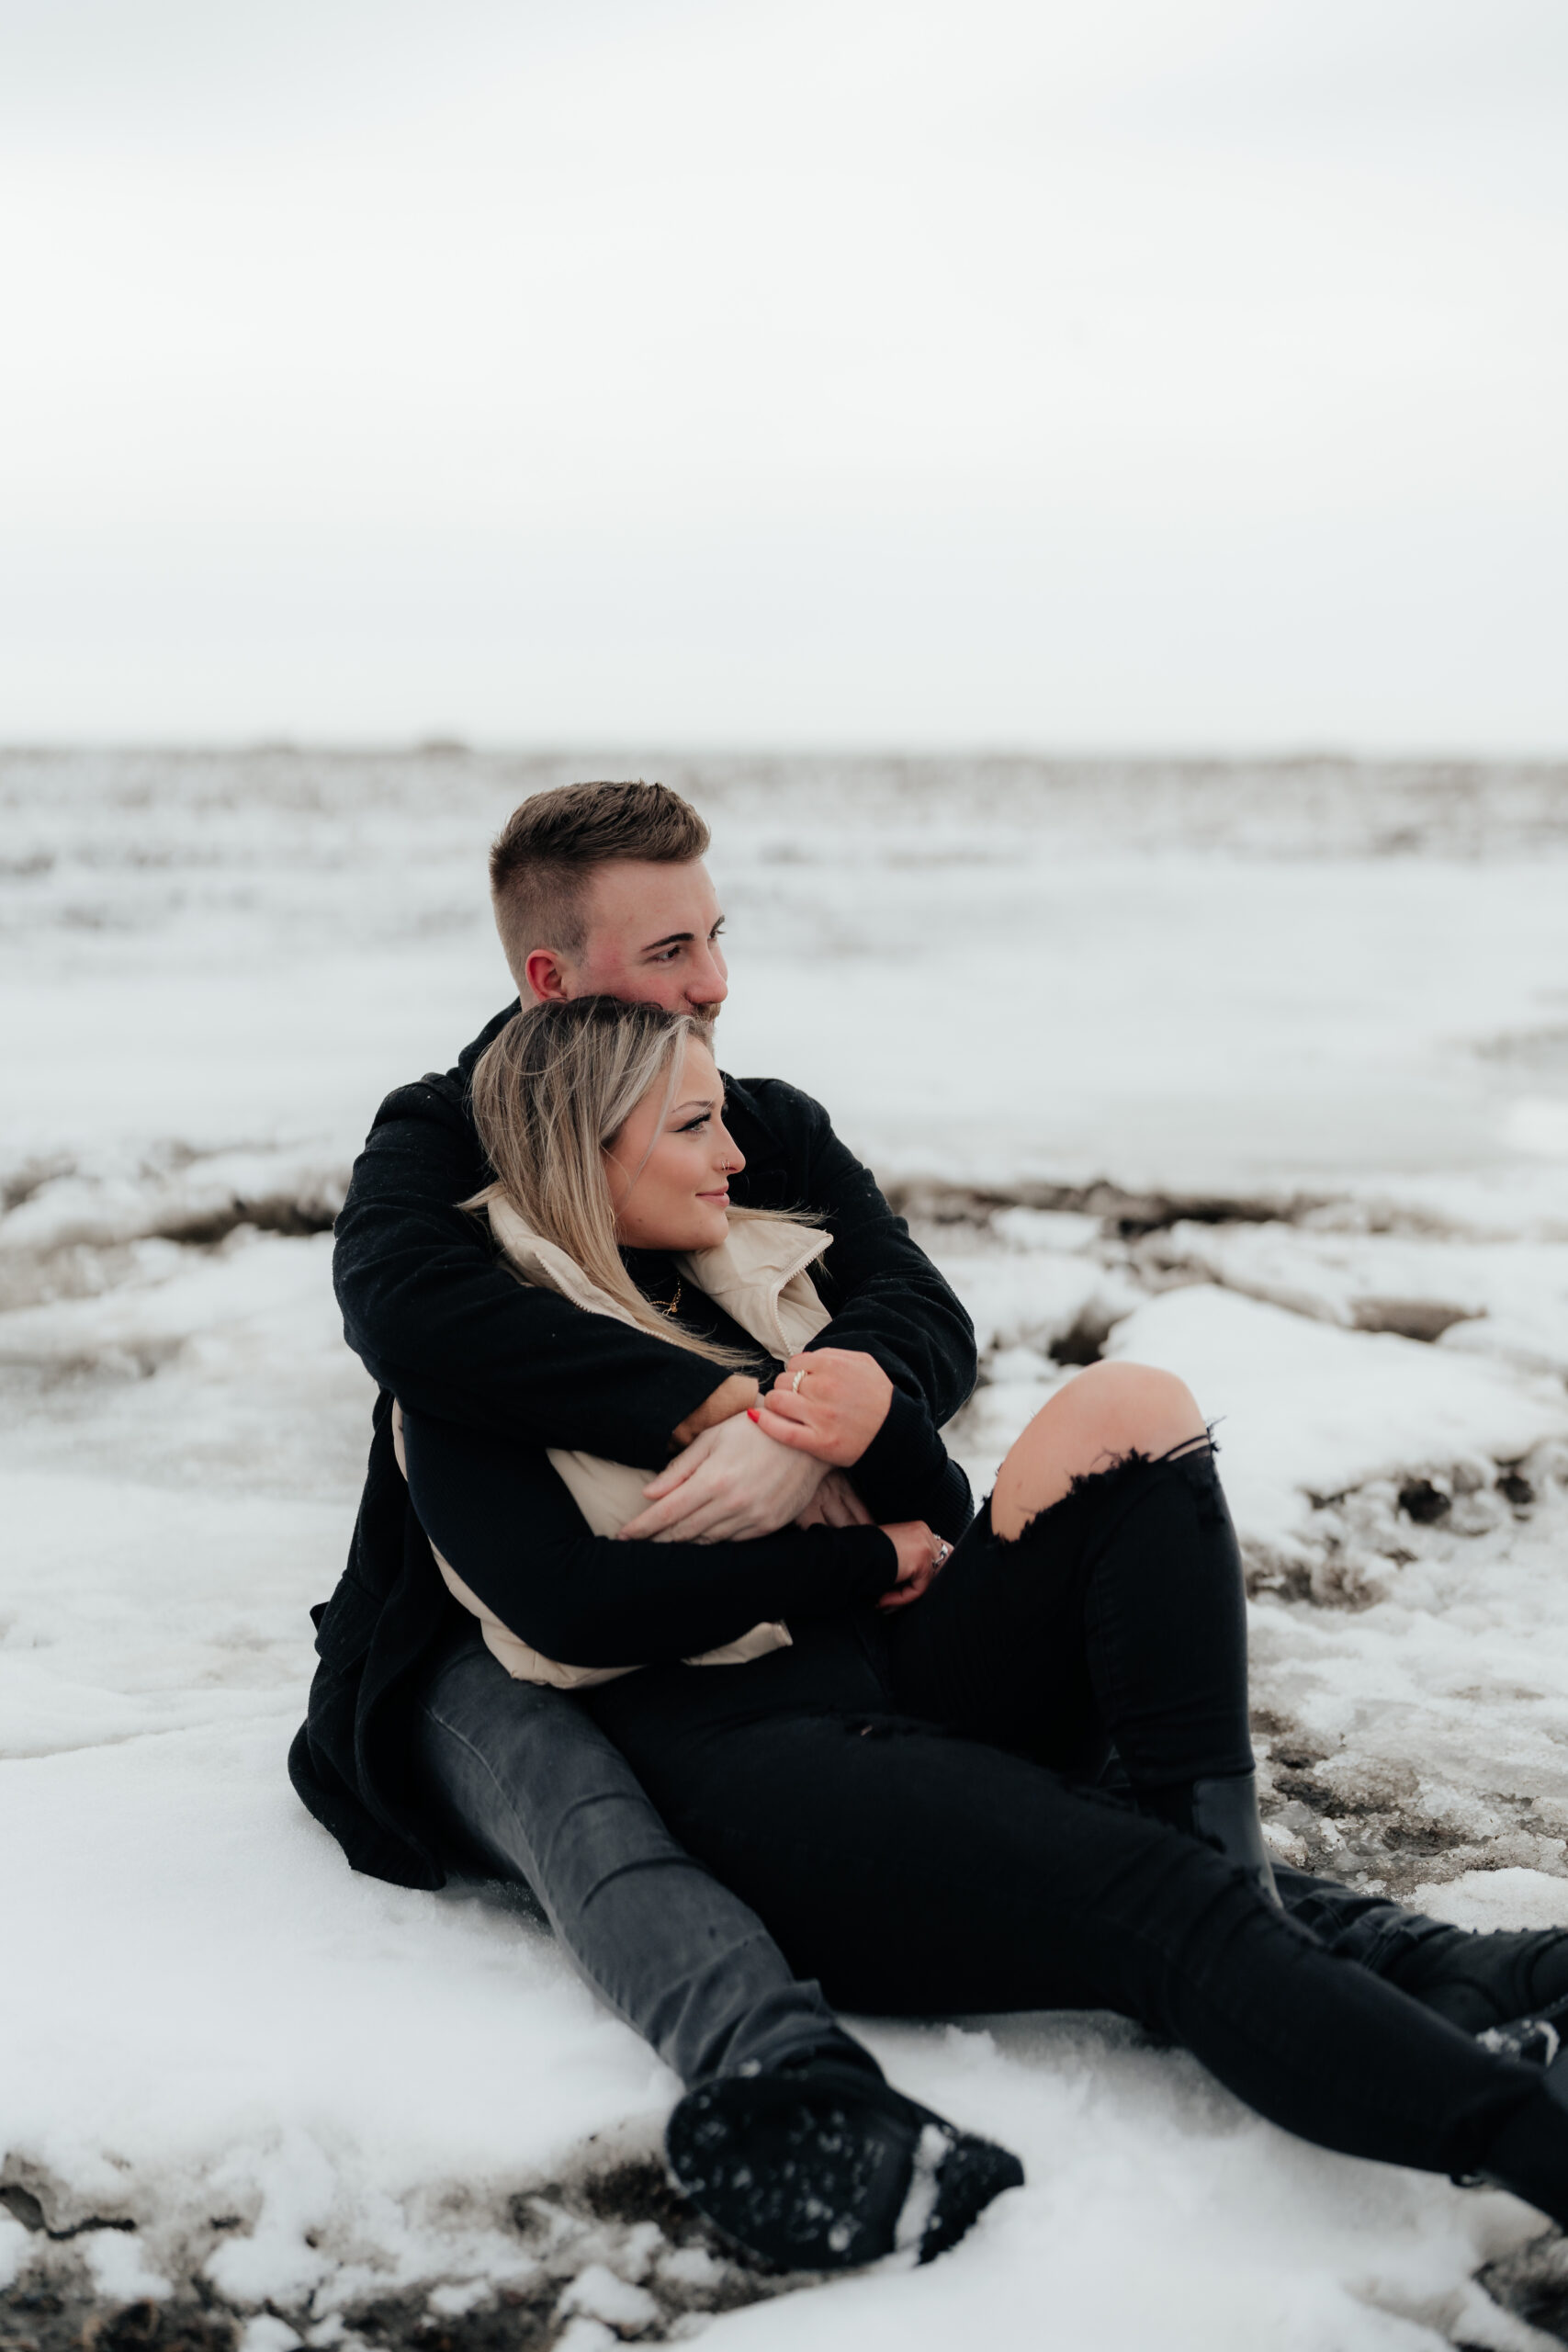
x,y
789,2137
529,1782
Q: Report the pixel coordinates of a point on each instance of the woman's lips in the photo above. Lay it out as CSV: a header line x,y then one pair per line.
x,y
721,1198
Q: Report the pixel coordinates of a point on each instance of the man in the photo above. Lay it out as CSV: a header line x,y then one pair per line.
x,y
601,888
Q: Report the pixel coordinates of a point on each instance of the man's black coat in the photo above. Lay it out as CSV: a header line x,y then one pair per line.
x,y
440,1323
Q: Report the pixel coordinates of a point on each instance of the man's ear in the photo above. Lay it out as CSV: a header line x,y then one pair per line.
x,y
546,976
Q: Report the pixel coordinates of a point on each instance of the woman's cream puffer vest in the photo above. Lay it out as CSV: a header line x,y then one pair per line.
x,y
758,1277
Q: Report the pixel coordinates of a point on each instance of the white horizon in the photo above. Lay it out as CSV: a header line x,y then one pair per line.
x,y
656,371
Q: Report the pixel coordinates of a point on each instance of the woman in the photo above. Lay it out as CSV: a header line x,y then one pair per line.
x,y
887,1736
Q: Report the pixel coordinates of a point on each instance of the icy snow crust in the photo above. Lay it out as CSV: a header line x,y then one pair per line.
x,y
1261,1073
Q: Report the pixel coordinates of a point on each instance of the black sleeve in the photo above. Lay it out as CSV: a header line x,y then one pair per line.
x,y
431,1310
907,1473
497,1510
887,1298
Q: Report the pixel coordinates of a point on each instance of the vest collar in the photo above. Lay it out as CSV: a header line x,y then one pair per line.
x,y
752,1265
749,1267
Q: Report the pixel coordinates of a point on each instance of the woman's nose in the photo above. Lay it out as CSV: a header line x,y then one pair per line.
x,y
729,1152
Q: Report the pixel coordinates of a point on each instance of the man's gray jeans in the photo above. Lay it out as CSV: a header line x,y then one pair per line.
x,y
533,1791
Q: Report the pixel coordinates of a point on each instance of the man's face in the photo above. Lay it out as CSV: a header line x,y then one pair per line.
x,y
652,937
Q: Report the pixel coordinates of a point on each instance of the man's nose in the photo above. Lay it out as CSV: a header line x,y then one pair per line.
x,y
708,982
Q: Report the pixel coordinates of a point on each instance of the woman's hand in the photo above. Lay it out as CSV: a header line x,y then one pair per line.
x,y
830,1402
729,1486
921,1556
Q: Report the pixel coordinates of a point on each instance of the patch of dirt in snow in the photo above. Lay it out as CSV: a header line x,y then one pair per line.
x,y
72,1226
611,2255
1122,1214
1531,2284
1506,1298
1419,1730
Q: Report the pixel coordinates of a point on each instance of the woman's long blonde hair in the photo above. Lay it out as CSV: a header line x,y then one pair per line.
x,y
550,1093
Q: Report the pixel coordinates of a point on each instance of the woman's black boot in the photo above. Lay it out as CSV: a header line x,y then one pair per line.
x,y
1224,1814
824,2166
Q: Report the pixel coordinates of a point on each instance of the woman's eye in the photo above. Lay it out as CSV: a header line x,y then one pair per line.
x,y
693,1126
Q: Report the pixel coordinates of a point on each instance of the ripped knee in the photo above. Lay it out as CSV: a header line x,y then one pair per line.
x,y
1114,1415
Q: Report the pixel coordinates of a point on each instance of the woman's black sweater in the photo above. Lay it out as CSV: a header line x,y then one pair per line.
x,y
497,1510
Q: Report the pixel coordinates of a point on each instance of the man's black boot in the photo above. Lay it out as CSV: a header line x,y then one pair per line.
x,y
1477,1981
824,2166
1533,2041
1530,2154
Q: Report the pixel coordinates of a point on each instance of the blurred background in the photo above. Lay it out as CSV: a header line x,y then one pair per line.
x,y
700,373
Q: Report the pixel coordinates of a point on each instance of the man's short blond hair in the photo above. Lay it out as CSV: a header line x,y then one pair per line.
x,y
544,855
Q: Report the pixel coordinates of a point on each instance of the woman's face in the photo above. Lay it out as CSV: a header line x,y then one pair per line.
x,y
670,1175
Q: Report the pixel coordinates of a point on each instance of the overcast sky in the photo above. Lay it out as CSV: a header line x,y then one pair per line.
x,y
1062,373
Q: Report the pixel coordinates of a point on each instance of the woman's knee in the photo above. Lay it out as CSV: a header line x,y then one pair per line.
x,y
1136,1407
1108,1411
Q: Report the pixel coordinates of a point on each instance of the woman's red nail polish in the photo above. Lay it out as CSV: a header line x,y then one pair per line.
x,y
753,1413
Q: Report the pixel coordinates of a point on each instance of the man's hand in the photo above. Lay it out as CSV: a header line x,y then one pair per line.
x,y
735,1394
732,1484
921,1557
841,1403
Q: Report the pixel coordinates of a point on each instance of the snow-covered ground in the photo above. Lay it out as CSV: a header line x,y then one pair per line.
x,y
1261,1073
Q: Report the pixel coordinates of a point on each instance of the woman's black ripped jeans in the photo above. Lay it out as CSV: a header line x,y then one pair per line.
x,y
899,1796
1118,1615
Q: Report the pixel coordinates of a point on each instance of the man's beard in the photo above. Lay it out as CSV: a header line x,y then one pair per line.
x,y
707,1014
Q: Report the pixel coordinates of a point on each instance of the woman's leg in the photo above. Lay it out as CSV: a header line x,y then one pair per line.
x,y
919,1873
1121,1604
1109,1411
1100,1598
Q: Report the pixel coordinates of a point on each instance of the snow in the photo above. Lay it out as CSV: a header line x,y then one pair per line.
x,y
1305,1030
1304,1409
602,2294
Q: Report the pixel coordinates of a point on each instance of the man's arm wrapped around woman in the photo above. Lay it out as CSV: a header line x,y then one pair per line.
x,y
496,1509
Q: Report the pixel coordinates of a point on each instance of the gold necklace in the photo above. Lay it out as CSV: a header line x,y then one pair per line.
x,y
673,1304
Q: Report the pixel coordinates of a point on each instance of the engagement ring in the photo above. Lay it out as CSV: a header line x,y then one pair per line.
x,y
799,1376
